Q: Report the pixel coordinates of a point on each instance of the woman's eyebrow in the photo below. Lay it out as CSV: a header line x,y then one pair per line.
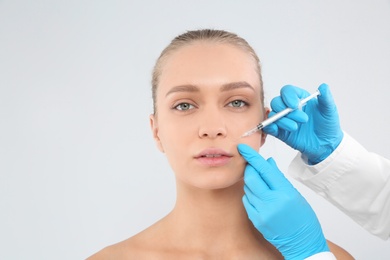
x,y
183,88
225,87
235,85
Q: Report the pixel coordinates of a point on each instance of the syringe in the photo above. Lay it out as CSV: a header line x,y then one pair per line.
x,y
279,115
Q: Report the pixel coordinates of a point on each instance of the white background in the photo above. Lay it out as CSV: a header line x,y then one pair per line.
x,y
78,166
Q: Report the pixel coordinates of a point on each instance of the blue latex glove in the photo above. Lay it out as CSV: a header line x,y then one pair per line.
x,y
278,210
313,130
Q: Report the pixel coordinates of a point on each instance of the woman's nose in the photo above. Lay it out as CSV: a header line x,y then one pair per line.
x,y
212,126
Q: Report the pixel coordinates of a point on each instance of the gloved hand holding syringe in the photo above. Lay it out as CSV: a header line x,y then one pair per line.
x,y
280,114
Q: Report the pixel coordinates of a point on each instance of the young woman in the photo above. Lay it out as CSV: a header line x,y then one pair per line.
x,y
207,91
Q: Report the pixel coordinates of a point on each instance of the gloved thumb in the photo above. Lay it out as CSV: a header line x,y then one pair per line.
x,y
326,102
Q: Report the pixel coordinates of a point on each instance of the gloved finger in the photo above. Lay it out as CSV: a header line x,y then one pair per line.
x,y
253,158
278,179
325,100
286,123
249,207
271,129
253,214
273,178
292,95
267,169
254,184
277,104
297,115
252,198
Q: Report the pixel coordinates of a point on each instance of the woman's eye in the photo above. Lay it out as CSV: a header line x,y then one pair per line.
x,y
237,103
184,106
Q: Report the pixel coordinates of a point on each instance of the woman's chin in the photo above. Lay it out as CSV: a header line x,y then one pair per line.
x,y
218,182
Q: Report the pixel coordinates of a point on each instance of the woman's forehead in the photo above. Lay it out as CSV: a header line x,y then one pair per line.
x,y
206,62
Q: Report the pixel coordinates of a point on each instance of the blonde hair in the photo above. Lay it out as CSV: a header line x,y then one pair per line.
x,y
211,35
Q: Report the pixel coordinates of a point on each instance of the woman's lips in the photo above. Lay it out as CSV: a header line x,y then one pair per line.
x,y
213,157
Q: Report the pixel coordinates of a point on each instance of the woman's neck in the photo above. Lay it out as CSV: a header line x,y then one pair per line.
x,y
212,216
210,205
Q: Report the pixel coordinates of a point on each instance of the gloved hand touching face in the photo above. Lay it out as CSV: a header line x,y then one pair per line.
x,y
313,130
278,210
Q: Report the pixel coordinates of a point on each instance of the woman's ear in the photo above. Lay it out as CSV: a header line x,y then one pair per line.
x,y
155,131
264,135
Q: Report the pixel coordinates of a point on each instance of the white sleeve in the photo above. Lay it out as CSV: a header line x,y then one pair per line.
x,y
322,256
354,180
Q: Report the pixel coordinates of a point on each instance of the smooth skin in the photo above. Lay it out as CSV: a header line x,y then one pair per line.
x,y
209,94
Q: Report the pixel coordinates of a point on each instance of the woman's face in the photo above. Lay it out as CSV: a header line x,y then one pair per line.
x,y
208,96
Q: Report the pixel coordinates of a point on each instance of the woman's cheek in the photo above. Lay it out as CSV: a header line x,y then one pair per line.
x,y
255,141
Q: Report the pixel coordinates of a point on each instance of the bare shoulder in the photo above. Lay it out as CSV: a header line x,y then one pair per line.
x,y
140,246
131,248
339,252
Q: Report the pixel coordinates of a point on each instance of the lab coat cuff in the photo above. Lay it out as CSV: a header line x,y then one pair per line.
x,y
316,176
322,256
